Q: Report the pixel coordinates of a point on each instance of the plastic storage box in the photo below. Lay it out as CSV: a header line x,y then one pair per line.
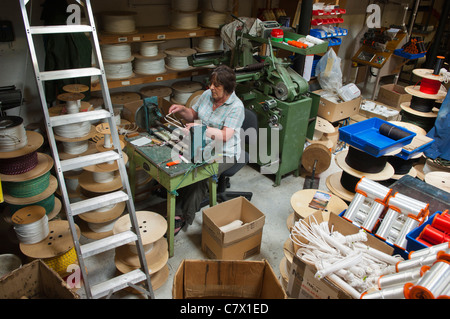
x,y
366,136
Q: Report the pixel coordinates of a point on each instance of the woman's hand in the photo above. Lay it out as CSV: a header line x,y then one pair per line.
x,y
175,108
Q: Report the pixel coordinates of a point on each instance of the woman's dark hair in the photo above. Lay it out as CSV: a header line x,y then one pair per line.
x,y
224,75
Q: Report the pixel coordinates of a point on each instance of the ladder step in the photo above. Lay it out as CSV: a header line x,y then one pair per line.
x,y
108,243
117,283
60,29
93,159
65,119
69,74
98,202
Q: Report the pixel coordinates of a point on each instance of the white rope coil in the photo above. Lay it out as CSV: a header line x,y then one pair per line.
x,y
73,107
102,227
34,232
116,52
75,148
211,19
147,248
184,20
118,22
181,97
185,5
147,66
71,184
115,71
148,49
13,138
210,43
74,130
177,62
103,177
105,208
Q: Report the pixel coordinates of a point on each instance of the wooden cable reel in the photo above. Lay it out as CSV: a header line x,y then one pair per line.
x,y
316,159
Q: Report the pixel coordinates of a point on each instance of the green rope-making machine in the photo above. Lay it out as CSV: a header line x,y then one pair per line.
x,y
280,97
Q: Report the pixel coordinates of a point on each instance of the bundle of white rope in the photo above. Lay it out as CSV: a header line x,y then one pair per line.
x,y
116,52
184,20
119,22
210,43
343,259
184,5
74,130
12,138
149,66
75,148
116,71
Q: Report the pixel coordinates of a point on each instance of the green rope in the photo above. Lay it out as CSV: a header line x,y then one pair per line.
x,y
28,188
48,203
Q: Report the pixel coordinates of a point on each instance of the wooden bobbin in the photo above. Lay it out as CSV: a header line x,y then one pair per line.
x,y
75,88
178,53
56,248
184,87
333,183
439,179
316,157
70,97
303,203
152,226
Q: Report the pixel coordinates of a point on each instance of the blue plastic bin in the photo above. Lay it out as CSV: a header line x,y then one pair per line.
x,y
366,137
412,243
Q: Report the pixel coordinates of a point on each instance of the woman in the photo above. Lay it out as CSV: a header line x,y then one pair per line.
x,y
223,113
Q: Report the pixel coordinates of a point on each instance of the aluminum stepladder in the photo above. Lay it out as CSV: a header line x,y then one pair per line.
x,y
106,288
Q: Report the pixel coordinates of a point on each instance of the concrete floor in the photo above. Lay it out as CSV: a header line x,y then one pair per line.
x,y
274,202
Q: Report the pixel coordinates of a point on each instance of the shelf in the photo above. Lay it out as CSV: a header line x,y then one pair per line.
x,y
147,79
155,34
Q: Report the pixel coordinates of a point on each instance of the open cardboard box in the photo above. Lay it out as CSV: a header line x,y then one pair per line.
x,y
235,244
35,280
302,284
393,95
334,112
226,279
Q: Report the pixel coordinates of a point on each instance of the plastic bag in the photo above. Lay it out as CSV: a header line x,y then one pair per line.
x,y
329,72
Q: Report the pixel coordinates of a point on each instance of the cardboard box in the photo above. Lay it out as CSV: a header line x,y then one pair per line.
x,y
236,244
380,110
35,280
334,112
393,95
303,285
213,279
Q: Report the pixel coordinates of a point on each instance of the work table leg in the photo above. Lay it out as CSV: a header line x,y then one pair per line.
x,y
170,221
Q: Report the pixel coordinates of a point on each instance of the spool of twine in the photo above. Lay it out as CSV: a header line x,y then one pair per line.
x,y
119,22
208,44
184,5
120,70
212,19
116,52
12,134
184,20
215,5
19,165
48,204
76,148
74,130
149,66
30,224
149,49
28,188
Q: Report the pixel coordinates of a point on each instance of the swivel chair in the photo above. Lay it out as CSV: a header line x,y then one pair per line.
x,y
250,121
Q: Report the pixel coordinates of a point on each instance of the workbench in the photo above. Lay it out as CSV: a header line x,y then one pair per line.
x,y
153,158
